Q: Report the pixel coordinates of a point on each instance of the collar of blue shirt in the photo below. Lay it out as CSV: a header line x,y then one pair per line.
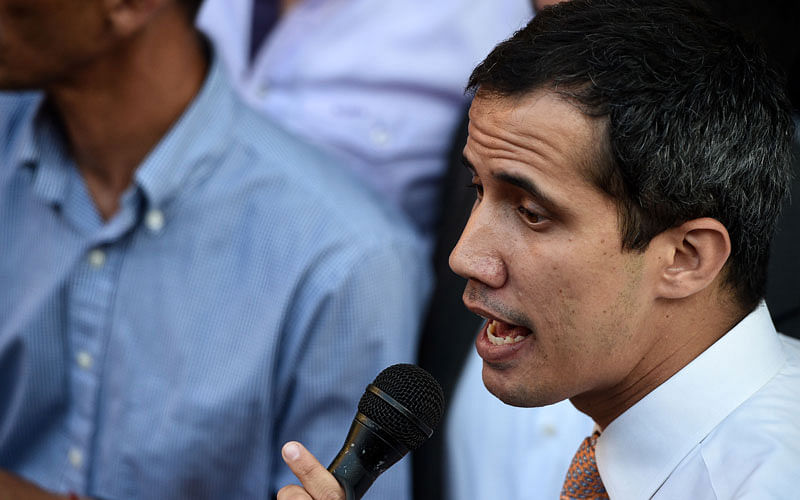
x,y
169,167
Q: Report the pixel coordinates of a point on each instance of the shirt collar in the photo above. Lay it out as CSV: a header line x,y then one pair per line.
x,y
22,149
184,155
638,451
37,144
188,151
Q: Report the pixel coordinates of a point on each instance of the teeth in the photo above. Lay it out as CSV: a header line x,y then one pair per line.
x,y
501,340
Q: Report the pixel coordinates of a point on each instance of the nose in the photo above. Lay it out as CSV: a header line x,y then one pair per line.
x,y
477,256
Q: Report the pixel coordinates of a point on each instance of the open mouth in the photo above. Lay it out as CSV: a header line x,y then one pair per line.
x,y
500,333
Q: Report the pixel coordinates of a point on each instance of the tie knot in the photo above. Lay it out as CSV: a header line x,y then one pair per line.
x,y
583,479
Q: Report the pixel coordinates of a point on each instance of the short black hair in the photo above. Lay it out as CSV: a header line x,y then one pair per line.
x,y
698,123
774,25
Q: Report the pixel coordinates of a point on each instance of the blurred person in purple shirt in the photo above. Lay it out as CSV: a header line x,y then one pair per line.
x,y
379,84
183,284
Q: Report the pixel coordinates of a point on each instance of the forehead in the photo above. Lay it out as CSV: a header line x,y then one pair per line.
x,y
541,131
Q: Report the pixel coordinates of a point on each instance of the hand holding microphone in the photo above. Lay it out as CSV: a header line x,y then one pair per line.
x,y
318,483
397,412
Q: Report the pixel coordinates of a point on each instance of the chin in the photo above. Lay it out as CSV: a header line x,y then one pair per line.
x,y
519,395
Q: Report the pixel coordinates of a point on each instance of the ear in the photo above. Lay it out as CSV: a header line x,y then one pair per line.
x,y
691,256
128,16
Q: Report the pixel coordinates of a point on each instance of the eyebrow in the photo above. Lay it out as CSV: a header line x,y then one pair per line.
x,y
525,184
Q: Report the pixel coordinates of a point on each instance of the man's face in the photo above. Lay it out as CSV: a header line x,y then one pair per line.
x,y
543,256
41,41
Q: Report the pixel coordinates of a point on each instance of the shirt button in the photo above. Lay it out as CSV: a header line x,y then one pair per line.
x,y
263,89
84,360
549,430
379,136
97,258
154,220
75,457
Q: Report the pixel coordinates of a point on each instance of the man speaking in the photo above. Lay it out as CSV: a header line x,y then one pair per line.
x,y
630,158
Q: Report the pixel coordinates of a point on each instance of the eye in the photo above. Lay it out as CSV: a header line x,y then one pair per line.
x,y
477,186
530,217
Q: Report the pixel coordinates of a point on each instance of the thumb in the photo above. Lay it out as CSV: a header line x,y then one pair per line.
x,y
317,481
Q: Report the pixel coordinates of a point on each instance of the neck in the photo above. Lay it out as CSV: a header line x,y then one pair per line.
x,y
682,331
118,107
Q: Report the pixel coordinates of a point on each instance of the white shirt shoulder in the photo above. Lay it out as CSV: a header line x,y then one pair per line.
x,y
755,452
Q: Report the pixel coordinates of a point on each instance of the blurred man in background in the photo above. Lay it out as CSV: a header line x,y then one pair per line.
x,y
377,84
184,285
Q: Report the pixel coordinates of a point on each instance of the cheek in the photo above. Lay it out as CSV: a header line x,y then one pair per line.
x,y
553,299
577,298
21,47
588,274
568,281
49,36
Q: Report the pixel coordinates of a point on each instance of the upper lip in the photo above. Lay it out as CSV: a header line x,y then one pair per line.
x,y
486,314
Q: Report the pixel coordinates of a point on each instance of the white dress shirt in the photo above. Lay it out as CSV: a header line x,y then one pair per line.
x,y
378,83
726,426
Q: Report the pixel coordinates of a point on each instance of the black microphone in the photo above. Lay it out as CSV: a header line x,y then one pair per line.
x,y
396,414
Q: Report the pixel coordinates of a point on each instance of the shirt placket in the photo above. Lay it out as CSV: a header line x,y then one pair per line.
x,y
90,301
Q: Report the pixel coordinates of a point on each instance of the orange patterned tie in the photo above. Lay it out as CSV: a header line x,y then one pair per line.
x,y
583,480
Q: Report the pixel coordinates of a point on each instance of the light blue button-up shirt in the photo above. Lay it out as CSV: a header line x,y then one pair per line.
x,y
244,294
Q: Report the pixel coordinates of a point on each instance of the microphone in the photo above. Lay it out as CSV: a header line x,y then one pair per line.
x,y
396,414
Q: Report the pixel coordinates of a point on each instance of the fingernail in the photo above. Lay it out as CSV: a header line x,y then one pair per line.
x,y
291,451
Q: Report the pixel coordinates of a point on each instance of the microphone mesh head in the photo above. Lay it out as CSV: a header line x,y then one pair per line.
x,y
417,391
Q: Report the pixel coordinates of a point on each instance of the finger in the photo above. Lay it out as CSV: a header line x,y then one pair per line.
x,y
293,492
317,481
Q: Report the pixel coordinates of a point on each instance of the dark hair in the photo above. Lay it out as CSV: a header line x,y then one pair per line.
x,y
773,24
697,121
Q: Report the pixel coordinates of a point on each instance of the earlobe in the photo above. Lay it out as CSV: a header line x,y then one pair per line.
x,y
693,255
128,16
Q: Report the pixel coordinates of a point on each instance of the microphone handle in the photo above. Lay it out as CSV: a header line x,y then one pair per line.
x,y
368,452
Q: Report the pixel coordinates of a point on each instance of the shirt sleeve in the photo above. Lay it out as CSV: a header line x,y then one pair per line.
x,y
356,314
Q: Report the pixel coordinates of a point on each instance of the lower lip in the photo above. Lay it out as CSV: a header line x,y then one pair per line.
x,y
497,353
